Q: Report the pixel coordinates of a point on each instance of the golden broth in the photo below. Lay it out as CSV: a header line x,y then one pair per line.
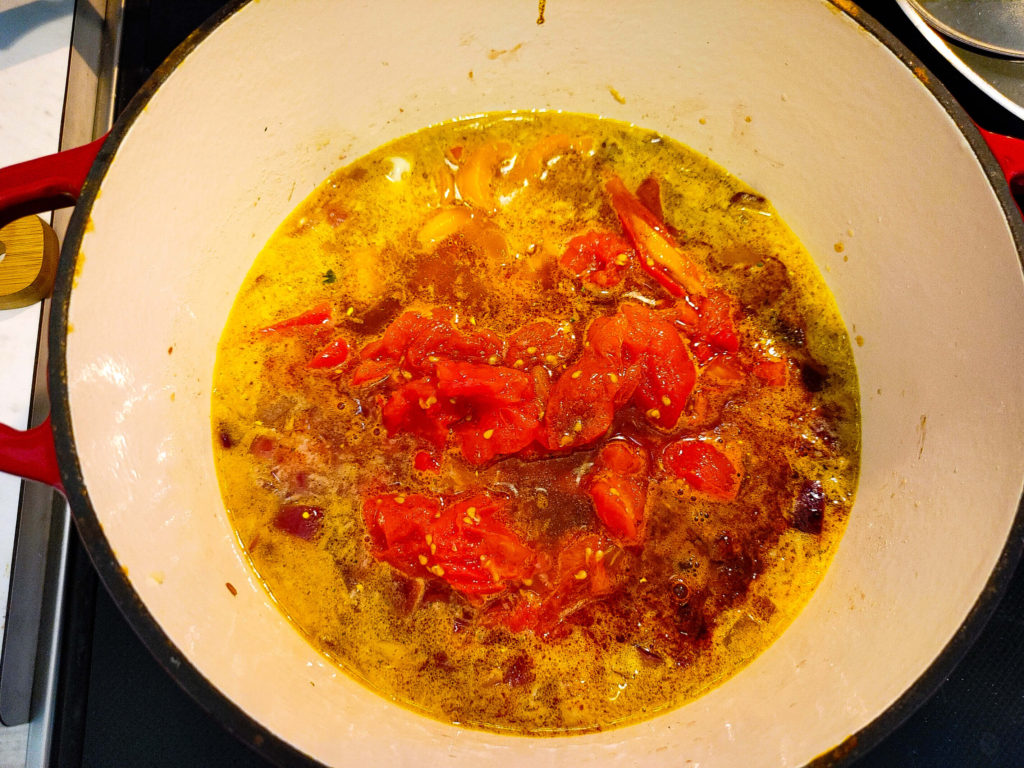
x,y
474,216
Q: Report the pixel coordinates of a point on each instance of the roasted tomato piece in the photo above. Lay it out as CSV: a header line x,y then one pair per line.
x,y
623,458
477,172
618,487
427,343
587,568
418,342
667,372
583,566
704,467
461,542
331,356
635,354
539,343
378,358
318,315
371,370
397,525
619,504
299,520
582,404
656,250
480,345
498,430
530,164
607,337
684,315
597,257
477,552
416,408
716,327
491,383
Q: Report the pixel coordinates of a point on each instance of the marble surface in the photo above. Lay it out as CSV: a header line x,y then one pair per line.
x,y
35,38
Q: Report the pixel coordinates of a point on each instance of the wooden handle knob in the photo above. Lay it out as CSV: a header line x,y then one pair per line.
x,y
28,262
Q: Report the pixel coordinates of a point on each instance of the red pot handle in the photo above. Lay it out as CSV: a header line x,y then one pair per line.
x,y
30,454
36,186
39,185
1009,153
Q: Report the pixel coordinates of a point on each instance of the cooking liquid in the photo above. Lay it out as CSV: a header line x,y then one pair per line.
x,y
715,582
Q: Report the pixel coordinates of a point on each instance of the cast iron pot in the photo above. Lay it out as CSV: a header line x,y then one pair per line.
x,y
877,170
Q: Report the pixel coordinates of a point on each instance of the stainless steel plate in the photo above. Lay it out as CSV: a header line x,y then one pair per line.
x,y
991,26
984,40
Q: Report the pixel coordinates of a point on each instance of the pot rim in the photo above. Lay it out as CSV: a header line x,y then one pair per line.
x,y
257,736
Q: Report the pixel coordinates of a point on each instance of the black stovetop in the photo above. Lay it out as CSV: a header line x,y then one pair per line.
x,y
119,708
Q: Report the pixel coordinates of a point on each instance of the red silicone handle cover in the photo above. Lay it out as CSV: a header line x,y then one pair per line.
x,y
1009,154
45,183
39,185
30,454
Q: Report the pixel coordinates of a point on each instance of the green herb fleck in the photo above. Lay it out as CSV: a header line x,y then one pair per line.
x,y
329,277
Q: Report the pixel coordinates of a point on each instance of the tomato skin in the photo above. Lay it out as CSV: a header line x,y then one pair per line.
x,y
633,355
490,383
584,571
503,412
623,458
370,370
684,315
301,521
417,408
318,315
808,513
581,407
416,343
460,541
716,327
597,257
615,501
331,356
703,467
667,372
396,524
539,343
498,430
618,487
262,447
657,251
583,553
606,337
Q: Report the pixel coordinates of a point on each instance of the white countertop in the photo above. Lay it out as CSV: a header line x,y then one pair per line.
x,y
35,37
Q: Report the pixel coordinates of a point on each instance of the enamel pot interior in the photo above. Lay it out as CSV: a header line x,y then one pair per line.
x,y
808,107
